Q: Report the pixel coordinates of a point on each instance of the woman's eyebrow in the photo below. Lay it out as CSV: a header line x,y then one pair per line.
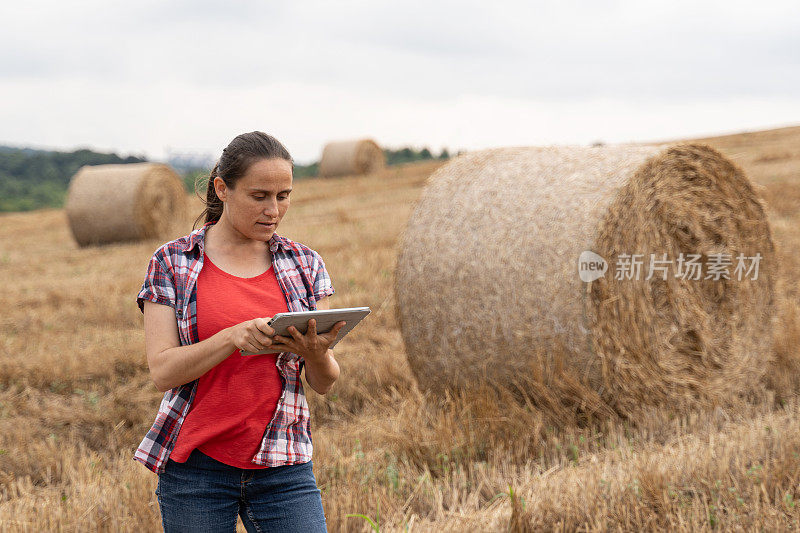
x,y
253,189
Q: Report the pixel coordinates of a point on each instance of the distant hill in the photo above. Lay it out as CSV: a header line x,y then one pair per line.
x,y
199,175
32,179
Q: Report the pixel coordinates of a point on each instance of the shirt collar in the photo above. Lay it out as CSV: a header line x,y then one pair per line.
x,y
197,237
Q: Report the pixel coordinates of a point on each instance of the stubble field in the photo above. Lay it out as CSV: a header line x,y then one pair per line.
x,y
76,396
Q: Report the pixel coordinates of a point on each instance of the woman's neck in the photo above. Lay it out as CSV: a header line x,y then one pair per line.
x,y
226,239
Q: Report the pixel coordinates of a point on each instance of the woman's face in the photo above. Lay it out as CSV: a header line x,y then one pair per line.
x,y
258,199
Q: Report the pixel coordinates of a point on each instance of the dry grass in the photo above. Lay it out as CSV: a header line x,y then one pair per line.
x,y
76,397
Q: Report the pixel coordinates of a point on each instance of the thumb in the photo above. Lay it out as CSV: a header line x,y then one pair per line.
x,y
333,333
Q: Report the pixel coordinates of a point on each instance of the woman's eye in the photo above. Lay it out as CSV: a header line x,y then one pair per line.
x,y
257,197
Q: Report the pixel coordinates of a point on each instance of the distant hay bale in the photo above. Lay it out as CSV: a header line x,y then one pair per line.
x,y
344,158
488,290
115,203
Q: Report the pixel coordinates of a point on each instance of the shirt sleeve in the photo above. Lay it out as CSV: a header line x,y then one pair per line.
x,y
322,281
159,285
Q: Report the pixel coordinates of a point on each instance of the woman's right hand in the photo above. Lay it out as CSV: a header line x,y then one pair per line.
x,y
252,335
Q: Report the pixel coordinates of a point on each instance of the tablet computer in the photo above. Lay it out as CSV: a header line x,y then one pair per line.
x,y
326,318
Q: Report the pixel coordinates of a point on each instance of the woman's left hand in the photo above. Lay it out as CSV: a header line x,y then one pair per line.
x,y
310,346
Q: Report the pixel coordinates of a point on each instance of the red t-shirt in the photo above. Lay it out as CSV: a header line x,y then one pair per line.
x,y
236,399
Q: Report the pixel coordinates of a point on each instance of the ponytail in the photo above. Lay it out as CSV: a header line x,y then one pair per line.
x,y
214,206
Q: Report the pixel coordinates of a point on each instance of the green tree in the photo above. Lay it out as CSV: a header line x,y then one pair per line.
x,y
33,179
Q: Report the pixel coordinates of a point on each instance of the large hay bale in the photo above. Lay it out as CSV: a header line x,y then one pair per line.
x,y
344,158
115,203
488,290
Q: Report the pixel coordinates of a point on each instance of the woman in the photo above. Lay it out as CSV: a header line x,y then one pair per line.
x,y
232,435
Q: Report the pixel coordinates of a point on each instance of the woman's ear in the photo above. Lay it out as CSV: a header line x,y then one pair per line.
x,y
220,188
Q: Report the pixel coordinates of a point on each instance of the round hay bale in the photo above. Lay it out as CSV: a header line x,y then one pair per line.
x,y
344,158
116,203
488,289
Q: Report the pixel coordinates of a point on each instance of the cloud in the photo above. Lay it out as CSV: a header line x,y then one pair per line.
x,y
193,74
539,50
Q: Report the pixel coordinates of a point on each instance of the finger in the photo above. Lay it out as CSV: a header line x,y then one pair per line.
x,y
262,325
283,348
312,328
261,338
294,333
336,327
333,334
257,337
252,347
277,339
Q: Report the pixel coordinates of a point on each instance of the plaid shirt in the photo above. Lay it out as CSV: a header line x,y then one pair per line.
x,y
172,280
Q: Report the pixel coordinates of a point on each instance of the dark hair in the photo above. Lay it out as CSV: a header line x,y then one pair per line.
x,y
236,158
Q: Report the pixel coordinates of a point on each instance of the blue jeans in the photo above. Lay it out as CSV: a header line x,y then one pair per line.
x,y
204,495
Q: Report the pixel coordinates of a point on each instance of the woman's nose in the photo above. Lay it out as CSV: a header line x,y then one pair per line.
x,y
271,209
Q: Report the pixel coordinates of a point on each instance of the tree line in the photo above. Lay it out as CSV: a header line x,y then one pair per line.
x,y
34,179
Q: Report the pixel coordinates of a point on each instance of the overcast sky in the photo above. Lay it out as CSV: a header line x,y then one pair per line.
x,y
151,77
